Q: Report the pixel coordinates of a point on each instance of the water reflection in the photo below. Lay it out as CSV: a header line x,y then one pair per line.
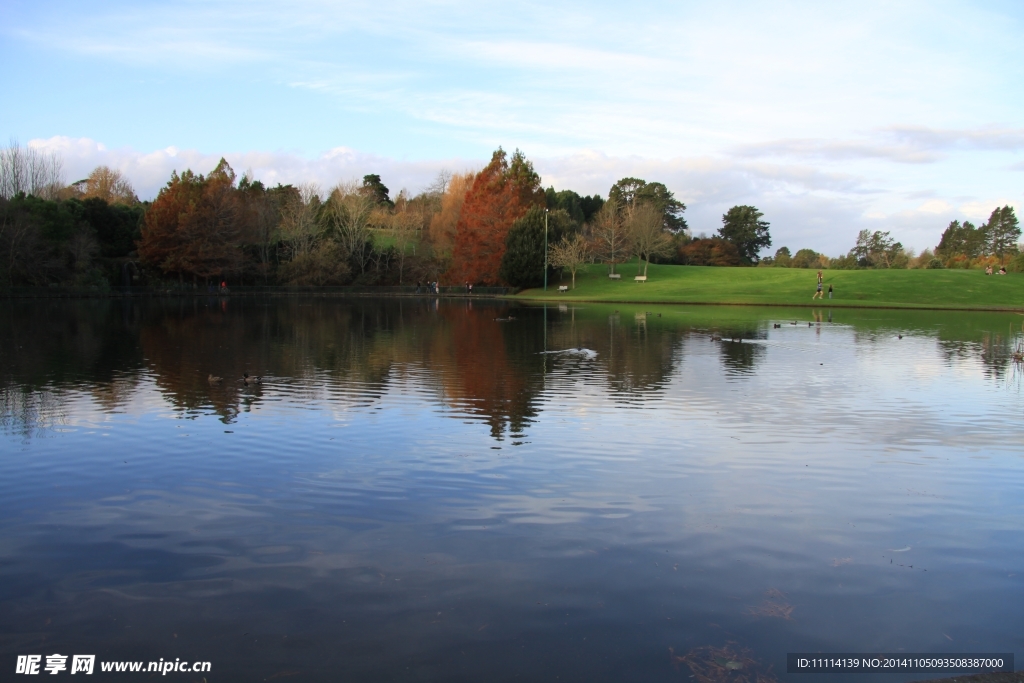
x,y
420,489
739,355
25,411
483,360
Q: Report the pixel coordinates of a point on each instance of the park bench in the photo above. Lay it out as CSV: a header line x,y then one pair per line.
x,y
640,278
563,288
614,276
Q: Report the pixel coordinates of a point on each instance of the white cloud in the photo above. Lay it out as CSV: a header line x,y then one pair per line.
x,y
935,206
150,171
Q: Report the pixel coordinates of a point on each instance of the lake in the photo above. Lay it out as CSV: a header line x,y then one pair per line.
x,y
470,490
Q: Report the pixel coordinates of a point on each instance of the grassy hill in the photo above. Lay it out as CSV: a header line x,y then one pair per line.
x,y
950,289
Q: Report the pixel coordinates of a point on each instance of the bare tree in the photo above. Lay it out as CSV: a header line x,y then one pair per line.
x,y
31,171
611,241
299,227
648,238
441,182
348,218
569,253
403,226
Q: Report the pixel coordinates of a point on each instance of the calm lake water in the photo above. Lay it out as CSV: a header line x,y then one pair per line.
x,y
417,491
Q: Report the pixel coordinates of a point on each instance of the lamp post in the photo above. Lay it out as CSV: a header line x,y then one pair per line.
x,y
545,254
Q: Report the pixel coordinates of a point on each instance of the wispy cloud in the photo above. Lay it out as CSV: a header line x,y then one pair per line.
x,y
903,144
828,117
989,138
839,150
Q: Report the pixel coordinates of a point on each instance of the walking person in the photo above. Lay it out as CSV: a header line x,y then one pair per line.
x,y
830,291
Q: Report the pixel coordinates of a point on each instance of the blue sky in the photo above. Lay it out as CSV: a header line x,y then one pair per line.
x,y
829,117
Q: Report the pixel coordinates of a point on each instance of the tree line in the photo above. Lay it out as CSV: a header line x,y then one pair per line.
x,y
485,228
992,244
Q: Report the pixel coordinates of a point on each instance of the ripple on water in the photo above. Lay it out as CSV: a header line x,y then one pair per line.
x,y
425,482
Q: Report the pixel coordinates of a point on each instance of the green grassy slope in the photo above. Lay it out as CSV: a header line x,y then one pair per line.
x,y
967,289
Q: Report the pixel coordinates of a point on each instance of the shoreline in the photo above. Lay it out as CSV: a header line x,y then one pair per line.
x,y
832,304
340,293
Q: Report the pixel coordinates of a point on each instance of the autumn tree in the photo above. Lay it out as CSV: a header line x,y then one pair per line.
x,y
647,236
452,190
108,184
502,192
570,253
709,251
192,227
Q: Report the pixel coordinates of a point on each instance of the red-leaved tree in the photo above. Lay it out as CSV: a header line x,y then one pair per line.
x,y
502,192
192,229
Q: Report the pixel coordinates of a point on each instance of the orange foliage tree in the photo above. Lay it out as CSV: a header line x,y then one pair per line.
x,y
193,227
502,192
444,221
713,251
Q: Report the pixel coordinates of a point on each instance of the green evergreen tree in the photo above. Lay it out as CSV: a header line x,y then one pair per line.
x,y
742,225
581,209
1003,231
522,264
375,189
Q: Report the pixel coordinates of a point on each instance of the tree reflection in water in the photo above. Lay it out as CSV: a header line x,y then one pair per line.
x,y
481,360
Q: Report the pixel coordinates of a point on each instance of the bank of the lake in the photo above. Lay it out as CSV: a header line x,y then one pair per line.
x,y
934,289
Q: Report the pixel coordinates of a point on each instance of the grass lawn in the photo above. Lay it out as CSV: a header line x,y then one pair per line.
x,y
951,289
